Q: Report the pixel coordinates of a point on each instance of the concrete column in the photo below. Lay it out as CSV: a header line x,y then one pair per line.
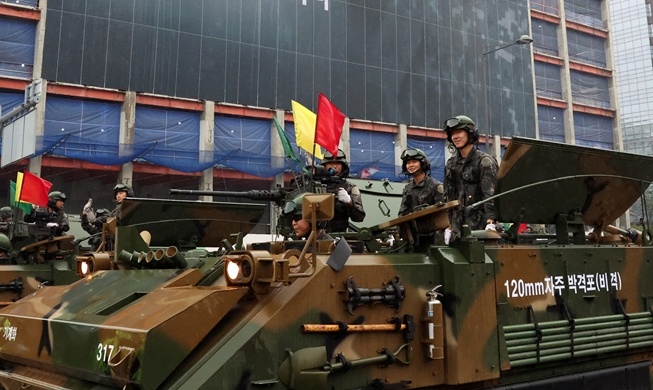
x,y
496,148
278,158
126,137
568,115
207,128
401,144
532,58
40,39
34,165
617,134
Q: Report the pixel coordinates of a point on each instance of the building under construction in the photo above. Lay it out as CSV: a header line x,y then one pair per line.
x,y
170,93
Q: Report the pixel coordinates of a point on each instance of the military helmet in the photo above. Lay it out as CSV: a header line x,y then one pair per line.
x,y
341,157
57,195
461,122
5,213
102,213
54,196
293,207
124,188
415,154
5,244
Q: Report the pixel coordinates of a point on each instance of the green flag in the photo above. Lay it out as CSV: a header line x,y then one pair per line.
x,y
26,207
287,148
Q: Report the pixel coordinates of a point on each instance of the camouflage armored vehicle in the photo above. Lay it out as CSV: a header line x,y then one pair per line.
x,y
570,310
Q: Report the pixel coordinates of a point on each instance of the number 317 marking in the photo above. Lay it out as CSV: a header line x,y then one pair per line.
x,y
104,352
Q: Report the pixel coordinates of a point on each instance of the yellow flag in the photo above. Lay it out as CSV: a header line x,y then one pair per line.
x,y
305,129
19,186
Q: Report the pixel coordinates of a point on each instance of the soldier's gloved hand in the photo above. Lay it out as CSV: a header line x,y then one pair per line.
x,y
51,225
491,226
447,236
343,196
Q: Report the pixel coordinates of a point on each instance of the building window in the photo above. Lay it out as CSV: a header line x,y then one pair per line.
x,y
547,80
593,130
548,6
590,89
551,123
586,48
17,48
545,37
587,12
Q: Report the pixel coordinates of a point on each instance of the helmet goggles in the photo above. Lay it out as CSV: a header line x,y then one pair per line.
x,y
457,123
57,195
411,154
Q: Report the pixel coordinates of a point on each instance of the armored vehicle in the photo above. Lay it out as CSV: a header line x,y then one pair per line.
x,y
492,310
35,258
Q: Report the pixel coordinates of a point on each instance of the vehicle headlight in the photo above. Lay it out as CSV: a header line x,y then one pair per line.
x,y
239,269
92,262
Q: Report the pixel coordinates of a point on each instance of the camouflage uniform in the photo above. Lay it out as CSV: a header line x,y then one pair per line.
x,y
470,180
115,212
343,212
427,192
43,216
95,227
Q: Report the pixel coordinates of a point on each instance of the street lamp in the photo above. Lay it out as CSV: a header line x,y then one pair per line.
x,y
523,40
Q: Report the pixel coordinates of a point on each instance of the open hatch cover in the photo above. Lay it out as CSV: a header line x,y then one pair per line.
x,y
548,178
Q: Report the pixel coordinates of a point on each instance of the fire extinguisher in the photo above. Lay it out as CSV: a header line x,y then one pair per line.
x,y
433,339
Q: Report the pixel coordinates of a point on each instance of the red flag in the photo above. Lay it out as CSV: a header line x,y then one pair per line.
x,y
34,190
329,124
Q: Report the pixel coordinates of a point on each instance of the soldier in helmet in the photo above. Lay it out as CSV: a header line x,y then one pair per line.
x,y
6,215
421,191
349,204
52,216
5,247
120,192
469,176
94,224
301,227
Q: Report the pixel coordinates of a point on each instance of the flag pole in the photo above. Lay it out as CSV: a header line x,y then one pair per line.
x,y
317,118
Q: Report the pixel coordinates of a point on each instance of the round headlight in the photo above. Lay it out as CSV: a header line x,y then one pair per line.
x,y
232,270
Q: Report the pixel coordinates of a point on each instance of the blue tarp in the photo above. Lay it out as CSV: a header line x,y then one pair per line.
x,y
434,150
244,145
17,39
90,130
372,155
174,136
82,129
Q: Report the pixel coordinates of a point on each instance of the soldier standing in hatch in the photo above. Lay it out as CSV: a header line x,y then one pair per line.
x,y
6,215
120,192
469,176
421,191
92,223
51,216
348,197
